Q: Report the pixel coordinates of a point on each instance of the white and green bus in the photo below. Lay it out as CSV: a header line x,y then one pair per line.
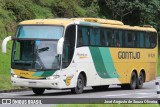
x,y
80,52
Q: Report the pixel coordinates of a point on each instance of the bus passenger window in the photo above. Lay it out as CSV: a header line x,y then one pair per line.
x,y
102,39
120,38
123,39
116,40
147,42
136,39
79,40
130,39
105,38
153,40
69,44
97,37
85,36
92,37
142,40
109,38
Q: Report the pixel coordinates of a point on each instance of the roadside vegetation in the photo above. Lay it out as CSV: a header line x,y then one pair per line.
x,y
131,12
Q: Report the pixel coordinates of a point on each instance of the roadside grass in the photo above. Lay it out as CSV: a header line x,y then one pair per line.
x,y
106,105
158,71
5,67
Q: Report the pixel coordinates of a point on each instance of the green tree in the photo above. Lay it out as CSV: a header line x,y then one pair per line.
x,y
21,9
150,13
6,20
67,9
121,8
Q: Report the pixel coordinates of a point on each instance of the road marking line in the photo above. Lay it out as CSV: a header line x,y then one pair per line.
x,y
131,94
116,95
144,93
153,96
9,94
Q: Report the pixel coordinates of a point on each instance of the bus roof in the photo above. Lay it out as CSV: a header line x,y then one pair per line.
x,y
88,22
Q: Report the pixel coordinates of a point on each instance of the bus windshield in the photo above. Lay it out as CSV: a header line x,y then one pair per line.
x,y
35,54
35,47
40,32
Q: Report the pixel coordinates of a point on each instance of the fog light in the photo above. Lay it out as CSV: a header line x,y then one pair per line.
x,y
52,77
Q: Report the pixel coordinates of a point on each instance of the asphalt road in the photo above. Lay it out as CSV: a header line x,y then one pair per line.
x,y
114,91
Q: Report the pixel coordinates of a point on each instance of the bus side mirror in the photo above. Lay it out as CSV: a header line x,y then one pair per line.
x,y
60,46
4,43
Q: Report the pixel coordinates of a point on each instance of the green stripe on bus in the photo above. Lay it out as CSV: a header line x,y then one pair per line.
x,y
98,62
38,73
108,62
103,62
48,73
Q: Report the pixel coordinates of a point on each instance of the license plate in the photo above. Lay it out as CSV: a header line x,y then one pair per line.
x,y
32,83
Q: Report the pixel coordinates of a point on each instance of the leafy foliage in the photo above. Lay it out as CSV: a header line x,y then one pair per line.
x,y
67,9
121,8
150,13
132,12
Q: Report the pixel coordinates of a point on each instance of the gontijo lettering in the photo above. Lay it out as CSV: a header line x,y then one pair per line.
x,y
128,55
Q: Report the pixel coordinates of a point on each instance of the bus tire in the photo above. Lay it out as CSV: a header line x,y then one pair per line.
x,y
80,85
132,84
140,80
38,91
100,88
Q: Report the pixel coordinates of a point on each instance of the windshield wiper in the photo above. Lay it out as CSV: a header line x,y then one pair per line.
x,y
43,49
37,51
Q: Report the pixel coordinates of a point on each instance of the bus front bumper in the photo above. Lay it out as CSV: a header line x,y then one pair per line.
x,y
32,83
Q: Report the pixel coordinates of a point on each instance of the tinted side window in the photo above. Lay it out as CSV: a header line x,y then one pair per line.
x,y
97,36
130,39
136,39
117,38
85,36
142,39
147,42
108,37
69,44
153,39
79,38
102,38
92,37
123,39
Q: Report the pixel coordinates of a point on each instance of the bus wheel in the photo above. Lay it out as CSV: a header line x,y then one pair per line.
x,y
100,88
80,85
38,91
132,84
140,81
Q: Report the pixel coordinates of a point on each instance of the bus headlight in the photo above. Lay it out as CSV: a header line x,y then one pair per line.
x,y
14,75
52,77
